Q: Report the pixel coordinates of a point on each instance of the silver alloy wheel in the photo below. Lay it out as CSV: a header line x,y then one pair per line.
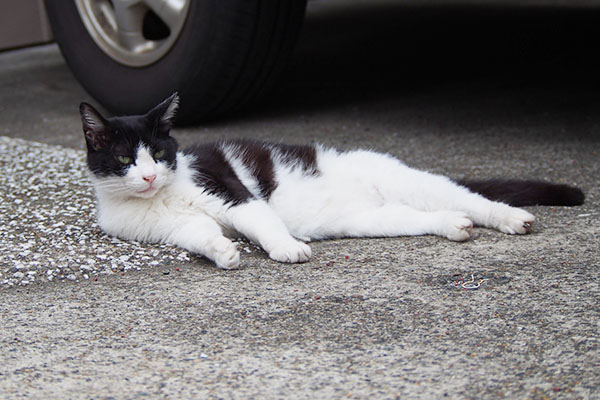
x,y
117,27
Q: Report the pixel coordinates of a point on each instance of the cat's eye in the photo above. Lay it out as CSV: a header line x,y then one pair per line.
x,y
124,159
160,154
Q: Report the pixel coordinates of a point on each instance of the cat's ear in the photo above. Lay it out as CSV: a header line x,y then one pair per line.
x,y
164,113
95,127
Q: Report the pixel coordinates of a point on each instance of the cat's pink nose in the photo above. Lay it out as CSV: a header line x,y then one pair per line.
x,y
149,178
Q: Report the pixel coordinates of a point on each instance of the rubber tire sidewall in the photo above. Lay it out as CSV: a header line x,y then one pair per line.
x,y
131,90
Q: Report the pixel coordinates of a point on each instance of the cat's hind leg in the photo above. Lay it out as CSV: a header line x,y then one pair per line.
x,y
398,220
435,192
385,180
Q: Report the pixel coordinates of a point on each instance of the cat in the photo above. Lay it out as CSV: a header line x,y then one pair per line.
x,y
281,196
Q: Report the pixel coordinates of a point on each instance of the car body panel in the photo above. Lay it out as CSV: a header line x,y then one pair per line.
x,y
23,23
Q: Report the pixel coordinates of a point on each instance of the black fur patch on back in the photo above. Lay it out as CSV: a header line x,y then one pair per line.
x,y
305,156
214,173
519,193
256,156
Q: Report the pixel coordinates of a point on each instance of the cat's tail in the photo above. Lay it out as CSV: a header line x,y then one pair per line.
x,y
519,193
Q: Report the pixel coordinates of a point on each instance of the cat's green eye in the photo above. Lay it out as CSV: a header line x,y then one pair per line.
x,y
160,154
124,159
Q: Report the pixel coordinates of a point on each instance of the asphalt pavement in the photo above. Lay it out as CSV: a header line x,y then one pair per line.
x,y
467,91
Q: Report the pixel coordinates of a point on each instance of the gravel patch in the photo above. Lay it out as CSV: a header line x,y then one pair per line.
x,y
48,223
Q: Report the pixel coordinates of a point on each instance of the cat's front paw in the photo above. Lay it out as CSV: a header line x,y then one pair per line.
x,y
225,254
291,251
457,226
516,221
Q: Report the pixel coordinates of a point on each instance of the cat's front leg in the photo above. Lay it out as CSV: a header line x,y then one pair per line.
x,y
224,253
202,235
257,221
290,251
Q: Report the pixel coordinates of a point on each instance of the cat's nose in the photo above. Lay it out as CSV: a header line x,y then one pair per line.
x,y
149,178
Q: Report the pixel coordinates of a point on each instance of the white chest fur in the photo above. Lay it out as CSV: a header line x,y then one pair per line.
x,y
153,219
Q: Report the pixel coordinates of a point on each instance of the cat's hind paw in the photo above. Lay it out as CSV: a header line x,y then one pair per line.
x,y
225,253
458,226
516,221
291,251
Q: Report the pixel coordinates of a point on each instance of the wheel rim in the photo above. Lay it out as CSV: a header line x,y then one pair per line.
x,y
135,33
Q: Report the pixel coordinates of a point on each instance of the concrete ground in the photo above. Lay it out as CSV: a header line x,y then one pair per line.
x,y
460,90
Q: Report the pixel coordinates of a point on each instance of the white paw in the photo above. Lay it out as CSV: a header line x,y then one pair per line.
x,y
516,221
457,226
291,251
225,253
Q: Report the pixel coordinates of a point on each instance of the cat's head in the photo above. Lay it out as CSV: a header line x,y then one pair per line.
x,y
131,156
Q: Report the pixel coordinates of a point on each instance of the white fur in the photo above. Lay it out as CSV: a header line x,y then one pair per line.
x,y
355,194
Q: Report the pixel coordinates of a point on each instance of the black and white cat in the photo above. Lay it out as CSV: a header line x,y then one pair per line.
x,y
280,196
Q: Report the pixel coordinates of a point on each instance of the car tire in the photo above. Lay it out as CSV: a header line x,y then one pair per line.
x,y
226,55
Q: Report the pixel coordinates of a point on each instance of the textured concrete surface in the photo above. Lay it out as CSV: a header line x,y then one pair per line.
x,y
465,91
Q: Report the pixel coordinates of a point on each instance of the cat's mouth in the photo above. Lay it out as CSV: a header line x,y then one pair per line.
x,y
148,190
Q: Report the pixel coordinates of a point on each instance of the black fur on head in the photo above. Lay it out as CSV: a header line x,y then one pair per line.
x,y
109,139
